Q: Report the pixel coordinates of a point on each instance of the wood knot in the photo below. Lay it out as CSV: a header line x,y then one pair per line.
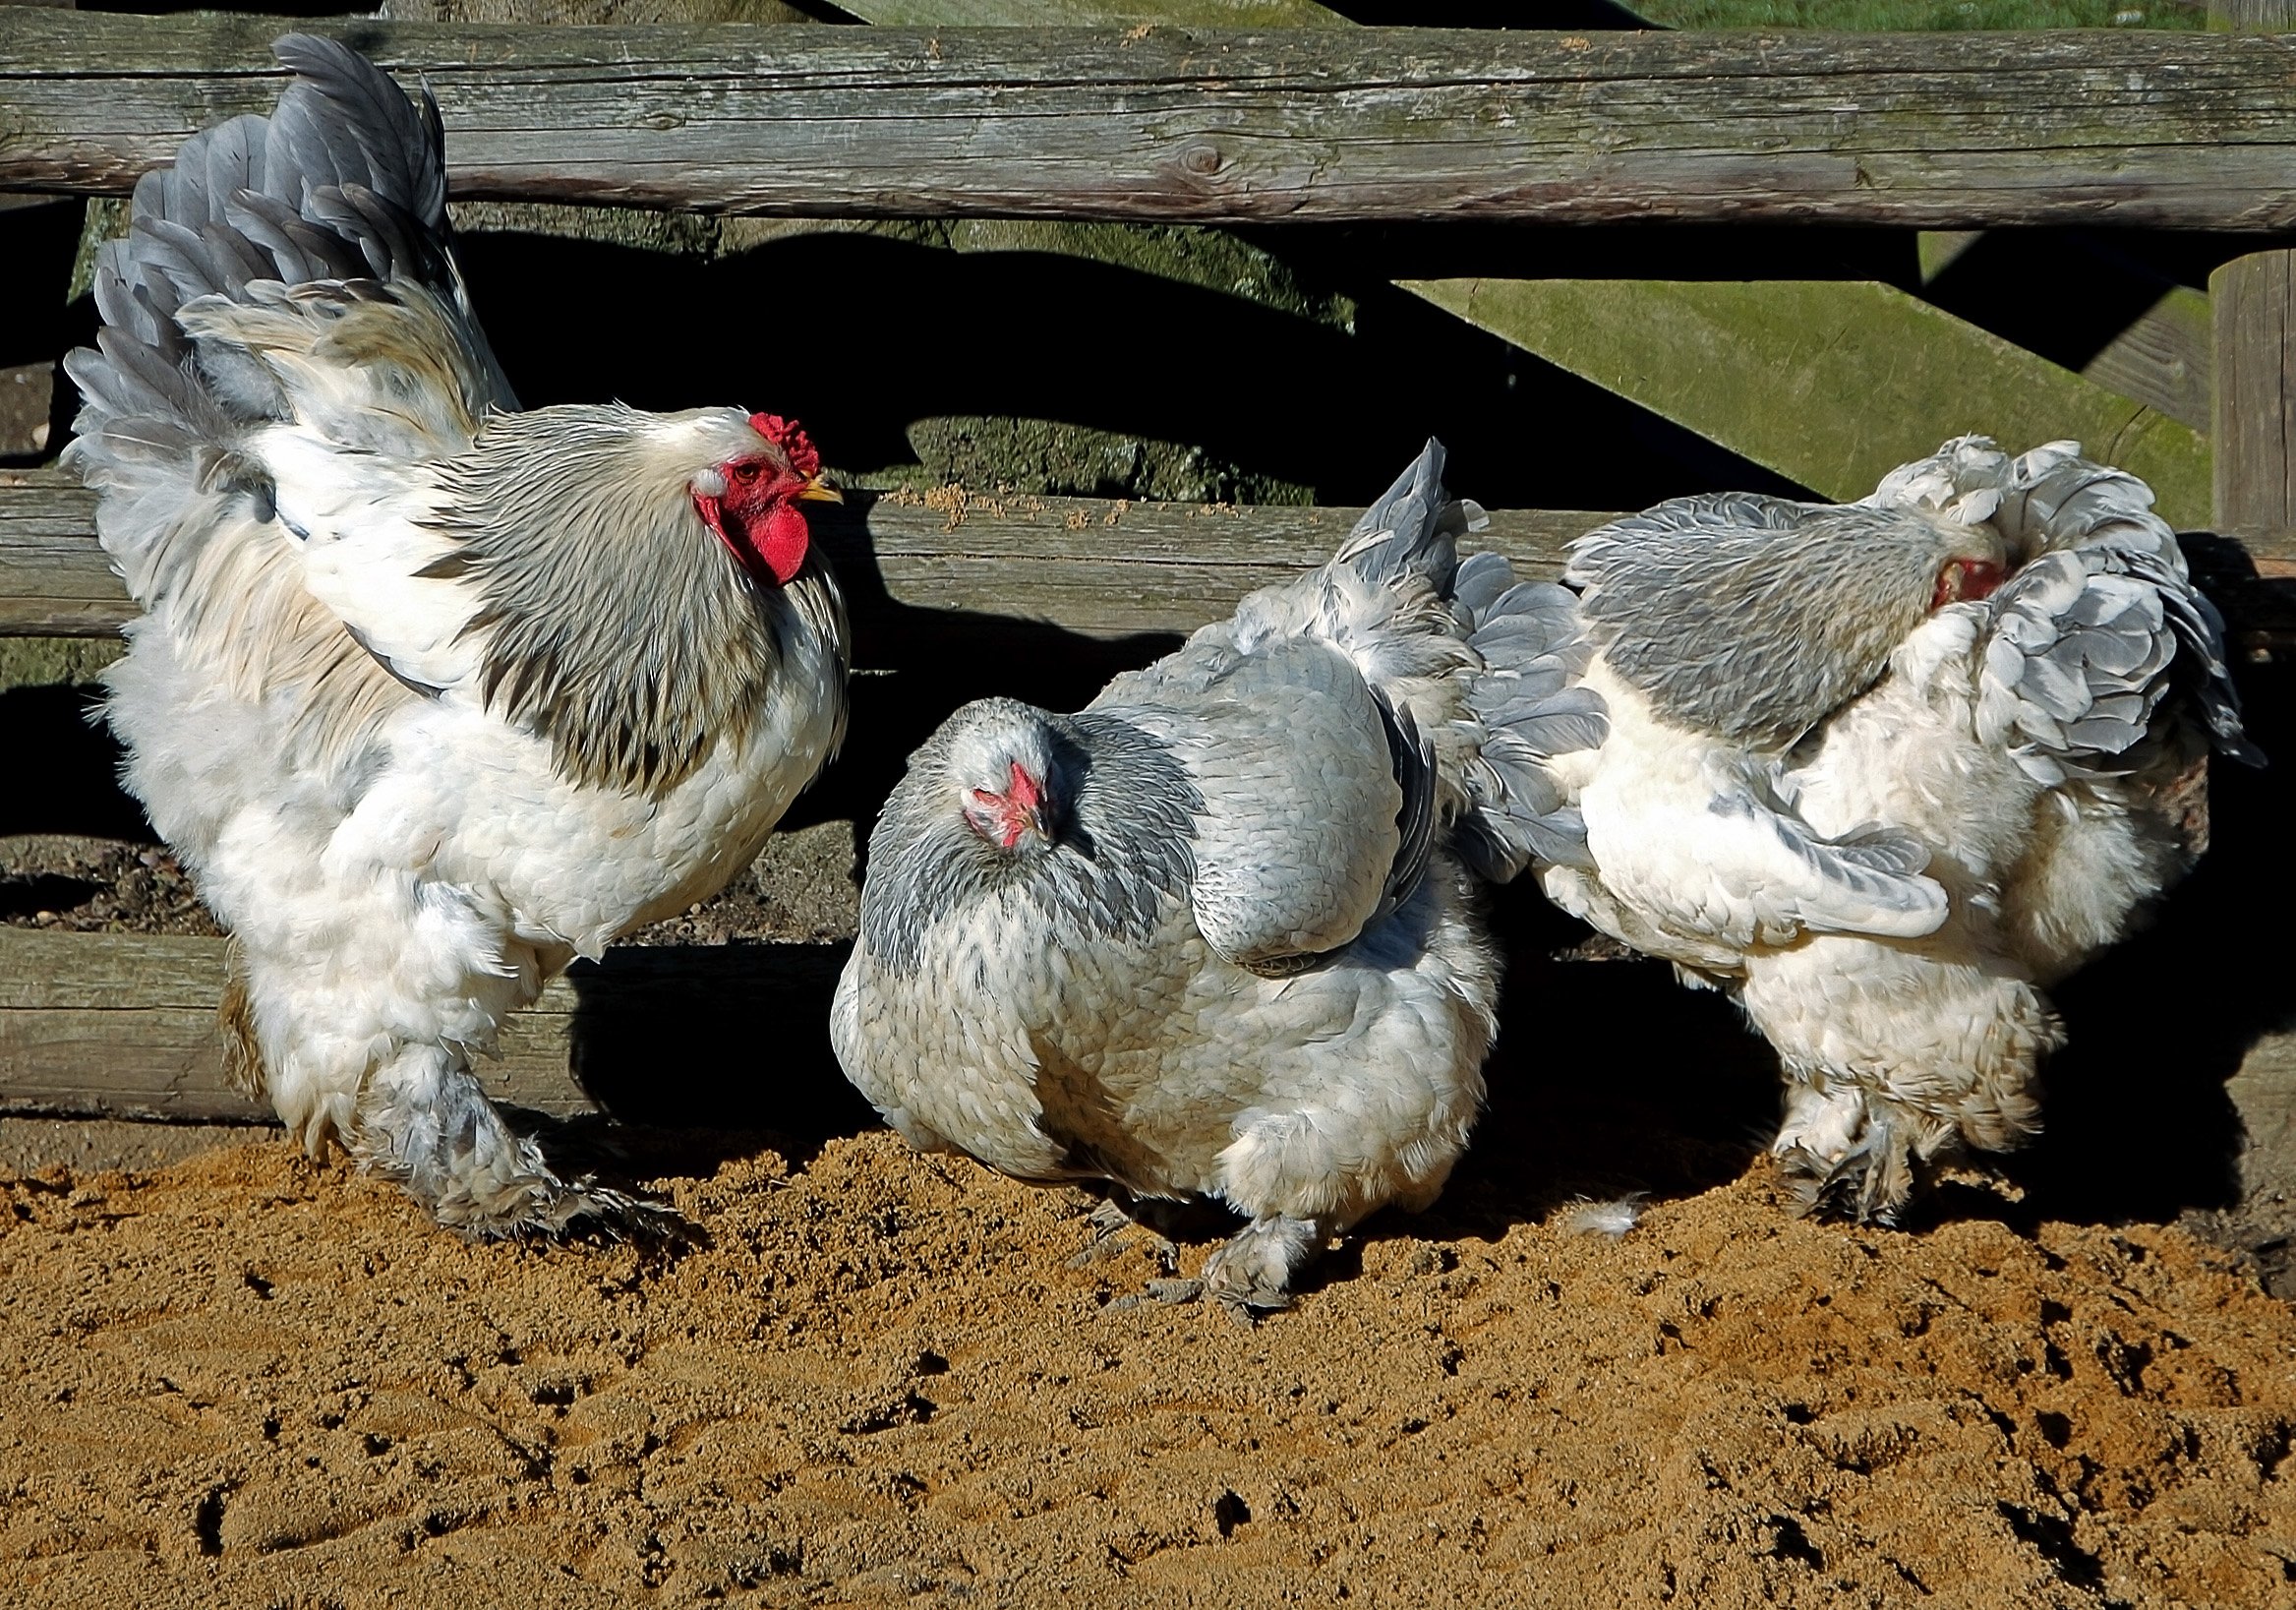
x,y
1203,161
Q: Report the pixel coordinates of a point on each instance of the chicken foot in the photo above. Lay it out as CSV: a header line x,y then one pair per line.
x,y
1250,1273
1849,1150
425,1121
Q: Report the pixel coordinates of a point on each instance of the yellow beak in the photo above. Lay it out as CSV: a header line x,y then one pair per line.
x,y
818,491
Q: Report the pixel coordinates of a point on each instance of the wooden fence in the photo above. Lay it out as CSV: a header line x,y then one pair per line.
x,y
1170,124
1164,124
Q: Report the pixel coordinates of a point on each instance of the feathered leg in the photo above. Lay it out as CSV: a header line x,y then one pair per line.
x,y
1894,1059
365,1012
424,1121
1251,1272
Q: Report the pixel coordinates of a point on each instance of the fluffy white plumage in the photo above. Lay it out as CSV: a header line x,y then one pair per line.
x,y
433,696
1885,882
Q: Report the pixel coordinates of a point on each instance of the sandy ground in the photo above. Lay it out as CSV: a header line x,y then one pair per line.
x,y
229,1377
242,1379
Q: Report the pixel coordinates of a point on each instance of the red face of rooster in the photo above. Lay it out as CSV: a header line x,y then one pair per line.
x,y
750,501
1962,580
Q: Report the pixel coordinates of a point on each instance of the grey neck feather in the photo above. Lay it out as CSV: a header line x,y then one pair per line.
x,y
615,623
1753,618
1122,854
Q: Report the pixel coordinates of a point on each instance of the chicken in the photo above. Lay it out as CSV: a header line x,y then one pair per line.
x,y
1215,935
1886,772
431,695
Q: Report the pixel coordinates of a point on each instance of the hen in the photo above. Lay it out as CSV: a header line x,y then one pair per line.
x,y
1214,936
433,696
1887,771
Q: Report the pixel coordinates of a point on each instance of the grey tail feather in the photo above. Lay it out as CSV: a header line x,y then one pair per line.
x,y
2200,629
1414,528
345,180
1528,697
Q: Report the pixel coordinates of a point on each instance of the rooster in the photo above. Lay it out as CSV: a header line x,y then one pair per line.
x,y
1886,772
1215,935
432,694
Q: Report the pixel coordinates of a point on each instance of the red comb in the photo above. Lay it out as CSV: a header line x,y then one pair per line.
x,y
794,443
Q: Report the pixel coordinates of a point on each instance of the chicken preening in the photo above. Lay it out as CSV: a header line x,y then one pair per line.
x,y
1886,772
1215,935
432,694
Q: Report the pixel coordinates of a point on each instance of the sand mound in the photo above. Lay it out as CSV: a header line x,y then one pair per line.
x,y
246,1380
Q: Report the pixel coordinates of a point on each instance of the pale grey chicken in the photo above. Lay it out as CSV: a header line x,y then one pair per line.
x,y
1887,771
432,694
1215,935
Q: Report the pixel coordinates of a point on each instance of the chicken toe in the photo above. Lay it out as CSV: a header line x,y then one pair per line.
x,y
426,1123
1251,1272
1852,1153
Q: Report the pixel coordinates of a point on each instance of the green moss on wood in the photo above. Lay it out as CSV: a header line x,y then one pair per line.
x,y
46,662
1828,383
1051,458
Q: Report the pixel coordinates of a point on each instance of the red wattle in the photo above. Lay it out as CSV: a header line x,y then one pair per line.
x,y
780,542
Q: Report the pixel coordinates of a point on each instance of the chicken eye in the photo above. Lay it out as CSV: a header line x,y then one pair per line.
x,y
744,472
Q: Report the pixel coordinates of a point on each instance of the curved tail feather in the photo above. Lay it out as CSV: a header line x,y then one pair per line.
x,y
1528,648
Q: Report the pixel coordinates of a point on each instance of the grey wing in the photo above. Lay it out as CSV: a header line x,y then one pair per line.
x,y
1316,803
1686,603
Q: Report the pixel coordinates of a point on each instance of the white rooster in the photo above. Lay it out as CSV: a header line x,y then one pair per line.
x,y
1886,771
433,696
1215,935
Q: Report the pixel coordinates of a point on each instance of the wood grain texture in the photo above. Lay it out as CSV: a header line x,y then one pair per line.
x,y
1096,568
54,581
121,1025
1943,131
2165,359
1830,382
2254,302
1251,14
1099,568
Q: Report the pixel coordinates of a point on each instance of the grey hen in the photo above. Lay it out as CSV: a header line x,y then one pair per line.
x,y
1214,936
1885,772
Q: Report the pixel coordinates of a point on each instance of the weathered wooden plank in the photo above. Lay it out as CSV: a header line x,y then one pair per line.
x,y
2254,299
2253,16
114,1025
1095,567
2165,359
1102,568
1251,14
1942,131
123,1025
630,1022
1830,384
54,581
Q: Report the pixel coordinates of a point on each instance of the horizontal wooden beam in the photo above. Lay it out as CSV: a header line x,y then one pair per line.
x,y
1094,566
1091,566
1830,382
123,1026
1935,130
1232,14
